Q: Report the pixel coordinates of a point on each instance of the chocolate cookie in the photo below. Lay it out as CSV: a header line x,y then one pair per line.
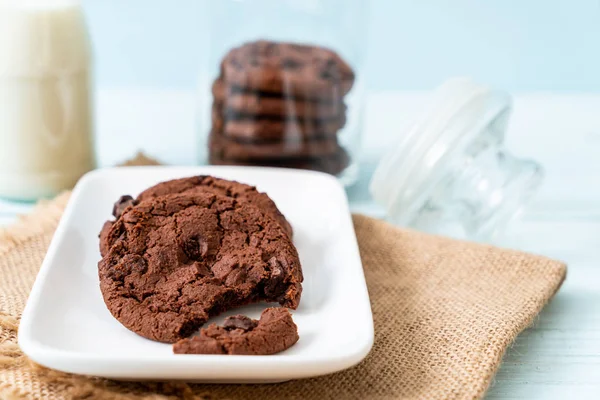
x,y
273,333
226,148
195,184
332,164
236,102
269,129
295,70
176,260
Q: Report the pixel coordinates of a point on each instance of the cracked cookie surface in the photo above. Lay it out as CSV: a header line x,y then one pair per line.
x,y
198,184
175,260
273,333
205,183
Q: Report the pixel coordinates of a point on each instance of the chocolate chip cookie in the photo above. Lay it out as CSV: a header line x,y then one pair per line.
x,y
175,260
299,71
273,333
269,129
333,165
225,148
236,102
195,184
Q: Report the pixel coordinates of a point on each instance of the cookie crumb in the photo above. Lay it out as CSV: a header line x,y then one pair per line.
x,y
240,335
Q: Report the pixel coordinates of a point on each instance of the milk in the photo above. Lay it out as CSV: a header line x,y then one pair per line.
x,y
46,140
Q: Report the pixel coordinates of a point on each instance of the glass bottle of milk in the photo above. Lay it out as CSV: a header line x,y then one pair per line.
x,y
46,138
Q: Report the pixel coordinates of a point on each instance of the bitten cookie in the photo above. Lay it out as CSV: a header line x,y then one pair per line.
x,y
296,70
236,102
269,129
176,260
194,184
273,333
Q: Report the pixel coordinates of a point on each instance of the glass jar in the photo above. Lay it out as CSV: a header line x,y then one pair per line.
x,y
451,174
283,85
45,98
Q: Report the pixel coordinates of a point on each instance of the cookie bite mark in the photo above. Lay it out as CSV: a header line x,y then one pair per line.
x,y
273,333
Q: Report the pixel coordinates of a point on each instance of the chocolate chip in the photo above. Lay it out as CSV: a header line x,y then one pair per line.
x,y
274,285
240,322
122,204
195,248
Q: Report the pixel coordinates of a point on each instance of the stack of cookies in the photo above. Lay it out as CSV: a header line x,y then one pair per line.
x,y
282,105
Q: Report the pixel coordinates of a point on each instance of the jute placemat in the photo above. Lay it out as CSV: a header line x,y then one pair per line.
x,y
445,312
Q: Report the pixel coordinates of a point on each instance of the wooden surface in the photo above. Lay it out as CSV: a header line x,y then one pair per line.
x,y
559,356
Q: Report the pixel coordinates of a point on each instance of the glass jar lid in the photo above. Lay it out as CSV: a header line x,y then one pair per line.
x,y
451,165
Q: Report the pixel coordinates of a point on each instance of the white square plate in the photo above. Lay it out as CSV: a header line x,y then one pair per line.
x,y
66,326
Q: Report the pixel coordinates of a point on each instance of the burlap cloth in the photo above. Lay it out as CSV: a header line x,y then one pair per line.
x,y
445,312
